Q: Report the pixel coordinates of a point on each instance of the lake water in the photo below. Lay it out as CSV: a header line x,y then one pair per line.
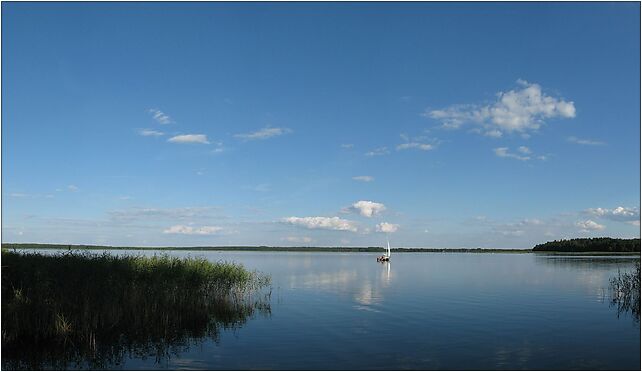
x,y
425,311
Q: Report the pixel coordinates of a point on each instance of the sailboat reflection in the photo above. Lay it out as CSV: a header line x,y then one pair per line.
x,y
371,292
386,277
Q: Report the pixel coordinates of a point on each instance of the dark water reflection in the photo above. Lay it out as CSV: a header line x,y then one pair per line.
x,y
423,311
626,303
164,335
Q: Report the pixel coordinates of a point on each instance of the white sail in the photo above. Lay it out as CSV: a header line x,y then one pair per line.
x,y
388,248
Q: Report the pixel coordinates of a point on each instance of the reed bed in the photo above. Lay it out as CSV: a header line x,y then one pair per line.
x,y
625,290
86,310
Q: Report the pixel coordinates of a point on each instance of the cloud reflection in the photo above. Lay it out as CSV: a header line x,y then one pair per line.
x,y
366,285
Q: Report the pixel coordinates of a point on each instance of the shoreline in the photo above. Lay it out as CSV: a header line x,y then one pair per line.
x,y
30,246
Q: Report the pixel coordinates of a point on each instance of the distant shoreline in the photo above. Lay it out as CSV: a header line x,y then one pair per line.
x,y
306,249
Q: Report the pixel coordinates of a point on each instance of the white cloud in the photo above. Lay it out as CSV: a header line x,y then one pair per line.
x,y
415,145
522,110
150,133
527,232
581,141
418,143
588,225
366,208
347,145
502,152
160,116
524,150
363,178
298,239
386,227
190,138
325,223
263,133
73,188
190,230
378,151
622,214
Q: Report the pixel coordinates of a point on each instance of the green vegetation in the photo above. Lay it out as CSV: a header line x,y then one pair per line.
x,y
625,290
590,245
260,248
88,311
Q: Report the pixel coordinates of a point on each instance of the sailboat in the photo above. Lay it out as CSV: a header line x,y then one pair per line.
x,y
386,256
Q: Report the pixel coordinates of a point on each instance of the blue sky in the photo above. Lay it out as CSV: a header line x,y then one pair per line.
x,y
439,125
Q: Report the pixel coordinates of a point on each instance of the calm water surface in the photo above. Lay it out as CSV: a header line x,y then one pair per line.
x,y
423,311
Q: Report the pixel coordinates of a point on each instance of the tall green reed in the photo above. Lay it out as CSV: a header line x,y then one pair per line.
x,y
90,310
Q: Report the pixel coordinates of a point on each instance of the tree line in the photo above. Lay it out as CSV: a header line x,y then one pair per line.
x,y
590,245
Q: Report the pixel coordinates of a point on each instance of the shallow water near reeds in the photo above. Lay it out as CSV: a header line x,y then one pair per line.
x,y
424,311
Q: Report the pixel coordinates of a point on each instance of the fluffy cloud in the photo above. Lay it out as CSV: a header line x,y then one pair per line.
x,y
190,230
588,225
502,152
73,188
262,134
324,223
363,178
160,117
366,208
622,214
190,138
386,227
378,151
522,110
587,142
150,133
